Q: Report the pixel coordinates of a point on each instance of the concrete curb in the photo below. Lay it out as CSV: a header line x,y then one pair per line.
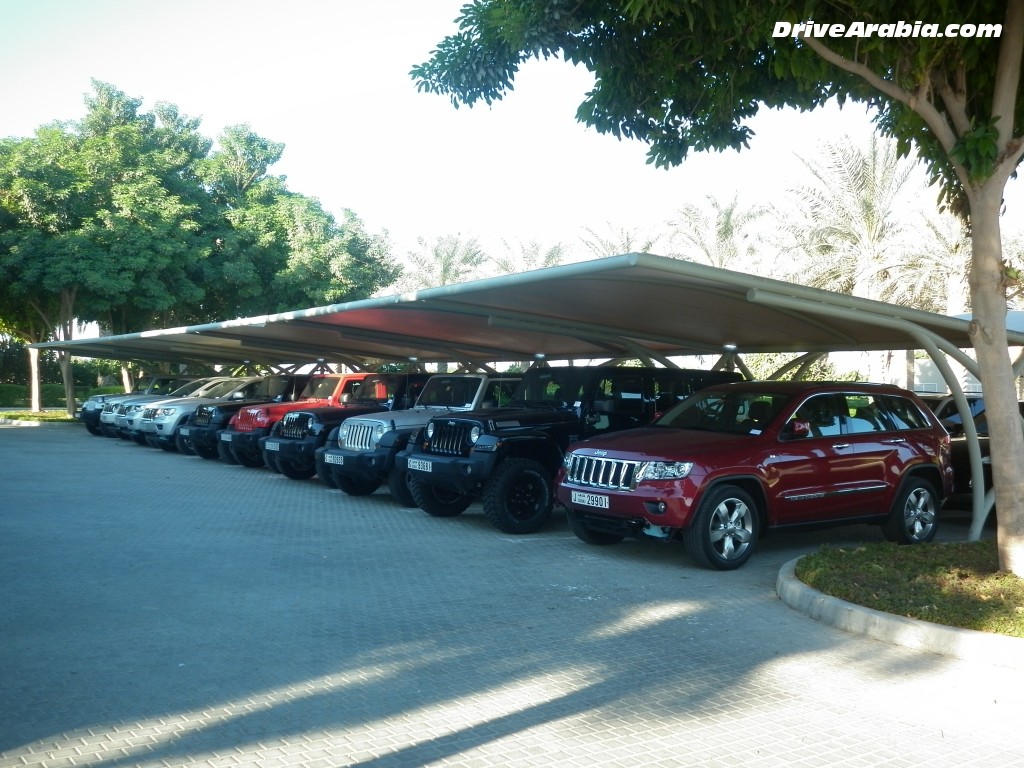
x,y
32,423
1000,650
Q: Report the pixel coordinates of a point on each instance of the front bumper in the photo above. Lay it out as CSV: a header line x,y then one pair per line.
x,y
465,474
375,463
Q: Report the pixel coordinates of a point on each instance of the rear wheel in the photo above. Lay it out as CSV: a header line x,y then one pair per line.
x,y
398,484
518,497
589,535
724,531
356,486
437,501
913,518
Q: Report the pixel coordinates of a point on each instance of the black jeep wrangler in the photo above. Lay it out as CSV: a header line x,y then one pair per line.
x,y
508,457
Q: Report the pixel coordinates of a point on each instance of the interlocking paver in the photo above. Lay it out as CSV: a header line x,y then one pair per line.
x,y
163,610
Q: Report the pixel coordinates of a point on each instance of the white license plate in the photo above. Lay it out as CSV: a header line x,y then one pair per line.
x,y
226,437
272,446
333,458
590,499
184,431
420,465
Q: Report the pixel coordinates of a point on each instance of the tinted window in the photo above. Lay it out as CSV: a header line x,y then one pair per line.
x,y
736,411
904,413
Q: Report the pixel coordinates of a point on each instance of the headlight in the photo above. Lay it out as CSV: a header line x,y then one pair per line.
x,y
664,470
379,432
164,412
343,432
474,435
430,430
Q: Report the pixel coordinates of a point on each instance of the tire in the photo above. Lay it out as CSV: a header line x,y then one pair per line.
x,y
270,461
437,501
184,445
247,458
326,473
224,452
398,484
723,534
205,452
139,438
169,446
356,486
93,429
913,518
297,470
589,535
519,496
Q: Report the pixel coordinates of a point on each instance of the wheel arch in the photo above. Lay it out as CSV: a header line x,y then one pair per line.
x,y
751,484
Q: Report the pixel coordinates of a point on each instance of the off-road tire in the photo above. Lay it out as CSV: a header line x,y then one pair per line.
x,y
519,496
398,484
356,486
437,501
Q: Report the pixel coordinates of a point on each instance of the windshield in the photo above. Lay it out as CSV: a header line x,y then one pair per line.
x,y
189,388
320,388
449,392
220,388
745,411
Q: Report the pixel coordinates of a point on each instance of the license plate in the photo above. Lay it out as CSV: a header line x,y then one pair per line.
x,y
226,437
332,458
272,446
420,465
184,431
590,499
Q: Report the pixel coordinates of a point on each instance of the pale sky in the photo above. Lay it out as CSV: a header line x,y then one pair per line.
x,y
329,79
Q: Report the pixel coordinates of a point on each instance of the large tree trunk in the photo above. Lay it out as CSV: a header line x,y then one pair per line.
x,y
988,332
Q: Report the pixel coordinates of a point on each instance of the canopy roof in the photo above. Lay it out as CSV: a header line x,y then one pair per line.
x,y
634,305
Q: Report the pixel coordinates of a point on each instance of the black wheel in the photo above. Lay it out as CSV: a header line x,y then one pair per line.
x,y
398,484
224,452
297,470
589,535
723,533
356,486
519,496
205,451
184,445
437,501
270,460
139,438
325,472
168,446
913,518
247,458
93,429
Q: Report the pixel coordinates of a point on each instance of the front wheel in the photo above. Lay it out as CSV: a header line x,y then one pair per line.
x,y
205,451
519,496
589,535
296,470
356,486
724,531
437,501
913,518
398,484
247,458
184,445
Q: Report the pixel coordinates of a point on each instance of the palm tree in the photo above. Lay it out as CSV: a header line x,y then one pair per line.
x,y
529,256
725,237
618,242
448,260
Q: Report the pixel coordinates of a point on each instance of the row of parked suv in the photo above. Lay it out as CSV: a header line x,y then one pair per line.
x,y
674,454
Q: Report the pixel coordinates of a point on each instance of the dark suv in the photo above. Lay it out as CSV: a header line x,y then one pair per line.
x,y
508,457
731,462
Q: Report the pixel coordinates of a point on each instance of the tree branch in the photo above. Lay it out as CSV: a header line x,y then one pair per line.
x,y
1011,50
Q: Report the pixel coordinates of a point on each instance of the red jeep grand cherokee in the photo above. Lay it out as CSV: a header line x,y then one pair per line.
x,y
732,461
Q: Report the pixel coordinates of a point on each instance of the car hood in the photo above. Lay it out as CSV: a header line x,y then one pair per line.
x,y
656,443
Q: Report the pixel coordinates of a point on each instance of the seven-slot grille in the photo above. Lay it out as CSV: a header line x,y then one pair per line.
x,y
245,421
296,426
450,437
360,435
596,472
203,416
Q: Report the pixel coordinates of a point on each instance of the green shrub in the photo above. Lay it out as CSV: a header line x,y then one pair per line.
x,y
12,395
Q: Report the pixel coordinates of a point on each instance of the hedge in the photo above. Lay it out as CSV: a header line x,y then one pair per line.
x,y
52,395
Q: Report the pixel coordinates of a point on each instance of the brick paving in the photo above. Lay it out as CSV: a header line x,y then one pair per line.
x,y
163,610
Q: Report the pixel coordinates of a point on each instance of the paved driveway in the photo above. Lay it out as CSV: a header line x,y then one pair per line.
x,y
165,610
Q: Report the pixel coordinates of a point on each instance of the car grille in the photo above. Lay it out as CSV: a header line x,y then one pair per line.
x,y
108,407
149,413
296,426
360,436
450,438
594,472
245,421
203,416
122,409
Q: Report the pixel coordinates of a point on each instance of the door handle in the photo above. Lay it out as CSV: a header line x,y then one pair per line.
x,y
840,446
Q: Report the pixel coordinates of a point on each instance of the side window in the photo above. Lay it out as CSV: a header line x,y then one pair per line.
x,y
865,413
904,414
824,413
628,394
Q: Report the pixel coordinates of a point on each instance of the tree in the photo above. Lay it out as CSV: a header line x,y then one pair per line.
x,y
529,256
617,241
723,236
685,76
449,259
